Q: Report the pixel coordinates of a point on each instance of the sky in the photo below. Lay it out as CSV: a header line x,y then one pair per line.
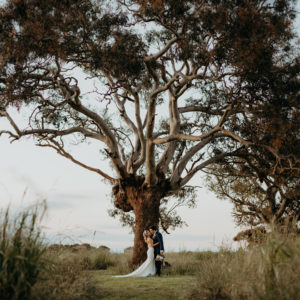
x,y
78,200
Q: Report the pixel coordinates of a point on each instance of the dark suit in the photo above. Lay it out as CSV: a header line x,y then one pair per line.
x,y
157,237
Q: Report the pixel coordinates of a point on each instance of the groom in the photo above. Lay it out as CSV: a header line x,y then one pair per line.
x,y
159,249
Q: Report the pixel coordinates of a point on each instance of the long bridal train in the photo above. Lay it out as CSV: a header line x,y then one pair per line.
x,y
146,269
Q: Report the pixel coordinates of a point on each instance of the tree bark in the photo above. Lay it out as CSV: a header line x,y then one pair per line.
x,y
132,194
146,213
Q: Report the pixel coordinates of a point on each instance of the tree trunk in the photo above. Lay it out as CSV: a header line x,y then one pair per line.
x,y
146,213
131,194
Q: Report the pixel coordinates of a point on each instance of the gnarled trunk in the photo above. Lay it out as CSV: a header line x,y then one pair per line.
x,y
146,213
145,202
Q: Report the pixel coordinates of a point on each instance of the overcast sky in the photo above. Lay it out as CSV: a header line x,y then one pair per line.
x,y
78,200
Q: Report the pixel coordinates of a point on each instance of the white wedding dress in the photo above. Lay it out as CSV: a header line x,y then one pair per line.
x,y
146,269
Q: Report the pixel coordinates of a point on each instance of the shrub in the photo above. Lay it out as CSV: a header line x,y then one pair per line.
x,y
21,254
102,261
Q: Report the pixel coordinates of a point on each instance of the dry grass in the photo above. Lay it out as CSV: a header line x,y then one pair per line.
x,y
66,278
268,271
29,270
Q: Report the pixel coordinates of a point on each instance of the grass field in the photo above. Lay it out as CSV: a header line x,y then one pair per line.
x,y
269,271
30,270
96,268
163,288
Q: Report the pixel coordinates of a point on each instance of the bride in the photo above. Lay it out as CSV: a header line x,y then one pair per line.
x,y
148,266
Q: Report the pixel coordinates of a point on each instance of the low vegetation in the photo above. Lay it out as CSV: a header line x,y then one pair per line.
x,y
267,271
21,254
31,270
270,270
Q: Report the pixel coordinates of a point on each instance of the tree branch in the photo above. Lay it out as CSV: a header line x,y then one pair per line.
x,y
110,141
189,176
162,51
175,177
174,129
62,152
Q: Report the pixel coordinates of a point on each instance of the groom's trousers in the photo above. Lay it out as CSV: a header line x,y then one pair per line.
x,y
158,267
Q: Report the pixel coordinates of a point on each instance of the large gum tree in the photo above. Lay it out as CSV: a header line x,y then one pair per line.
x,y
173,82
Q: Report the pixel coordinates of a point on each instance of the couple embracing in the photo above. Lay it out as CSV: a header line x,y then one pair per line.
x,y
152,265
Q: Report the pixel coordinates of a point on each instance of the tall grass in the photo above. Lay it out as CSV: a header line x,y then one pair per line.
x,y
183,263
29,270
69,276
21,254
65,280
268,271
102,261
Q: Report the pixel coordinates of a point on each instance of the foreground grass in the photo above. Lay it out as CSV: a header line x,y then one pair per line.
x,y
163,288
21,254
91,270
270,271
30,270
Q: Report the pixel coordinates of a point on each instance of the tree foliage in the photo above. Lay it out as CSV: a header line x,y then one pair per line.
x,y
265,191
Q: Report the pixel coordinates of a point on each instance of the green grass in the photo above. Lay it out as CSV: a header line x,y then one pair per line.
x,y
159,288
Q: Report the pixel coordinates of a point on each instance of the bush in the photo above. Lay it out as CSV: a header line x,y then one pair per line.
x,y
21,254
102,261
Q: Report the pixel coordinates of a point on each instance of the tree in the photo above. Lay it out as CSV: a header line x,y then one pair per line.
x,y
262,198
265,191
178,74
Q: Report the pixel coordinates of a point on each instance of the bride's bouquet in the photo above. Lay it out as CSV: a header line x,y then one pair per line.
x,y
160,257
